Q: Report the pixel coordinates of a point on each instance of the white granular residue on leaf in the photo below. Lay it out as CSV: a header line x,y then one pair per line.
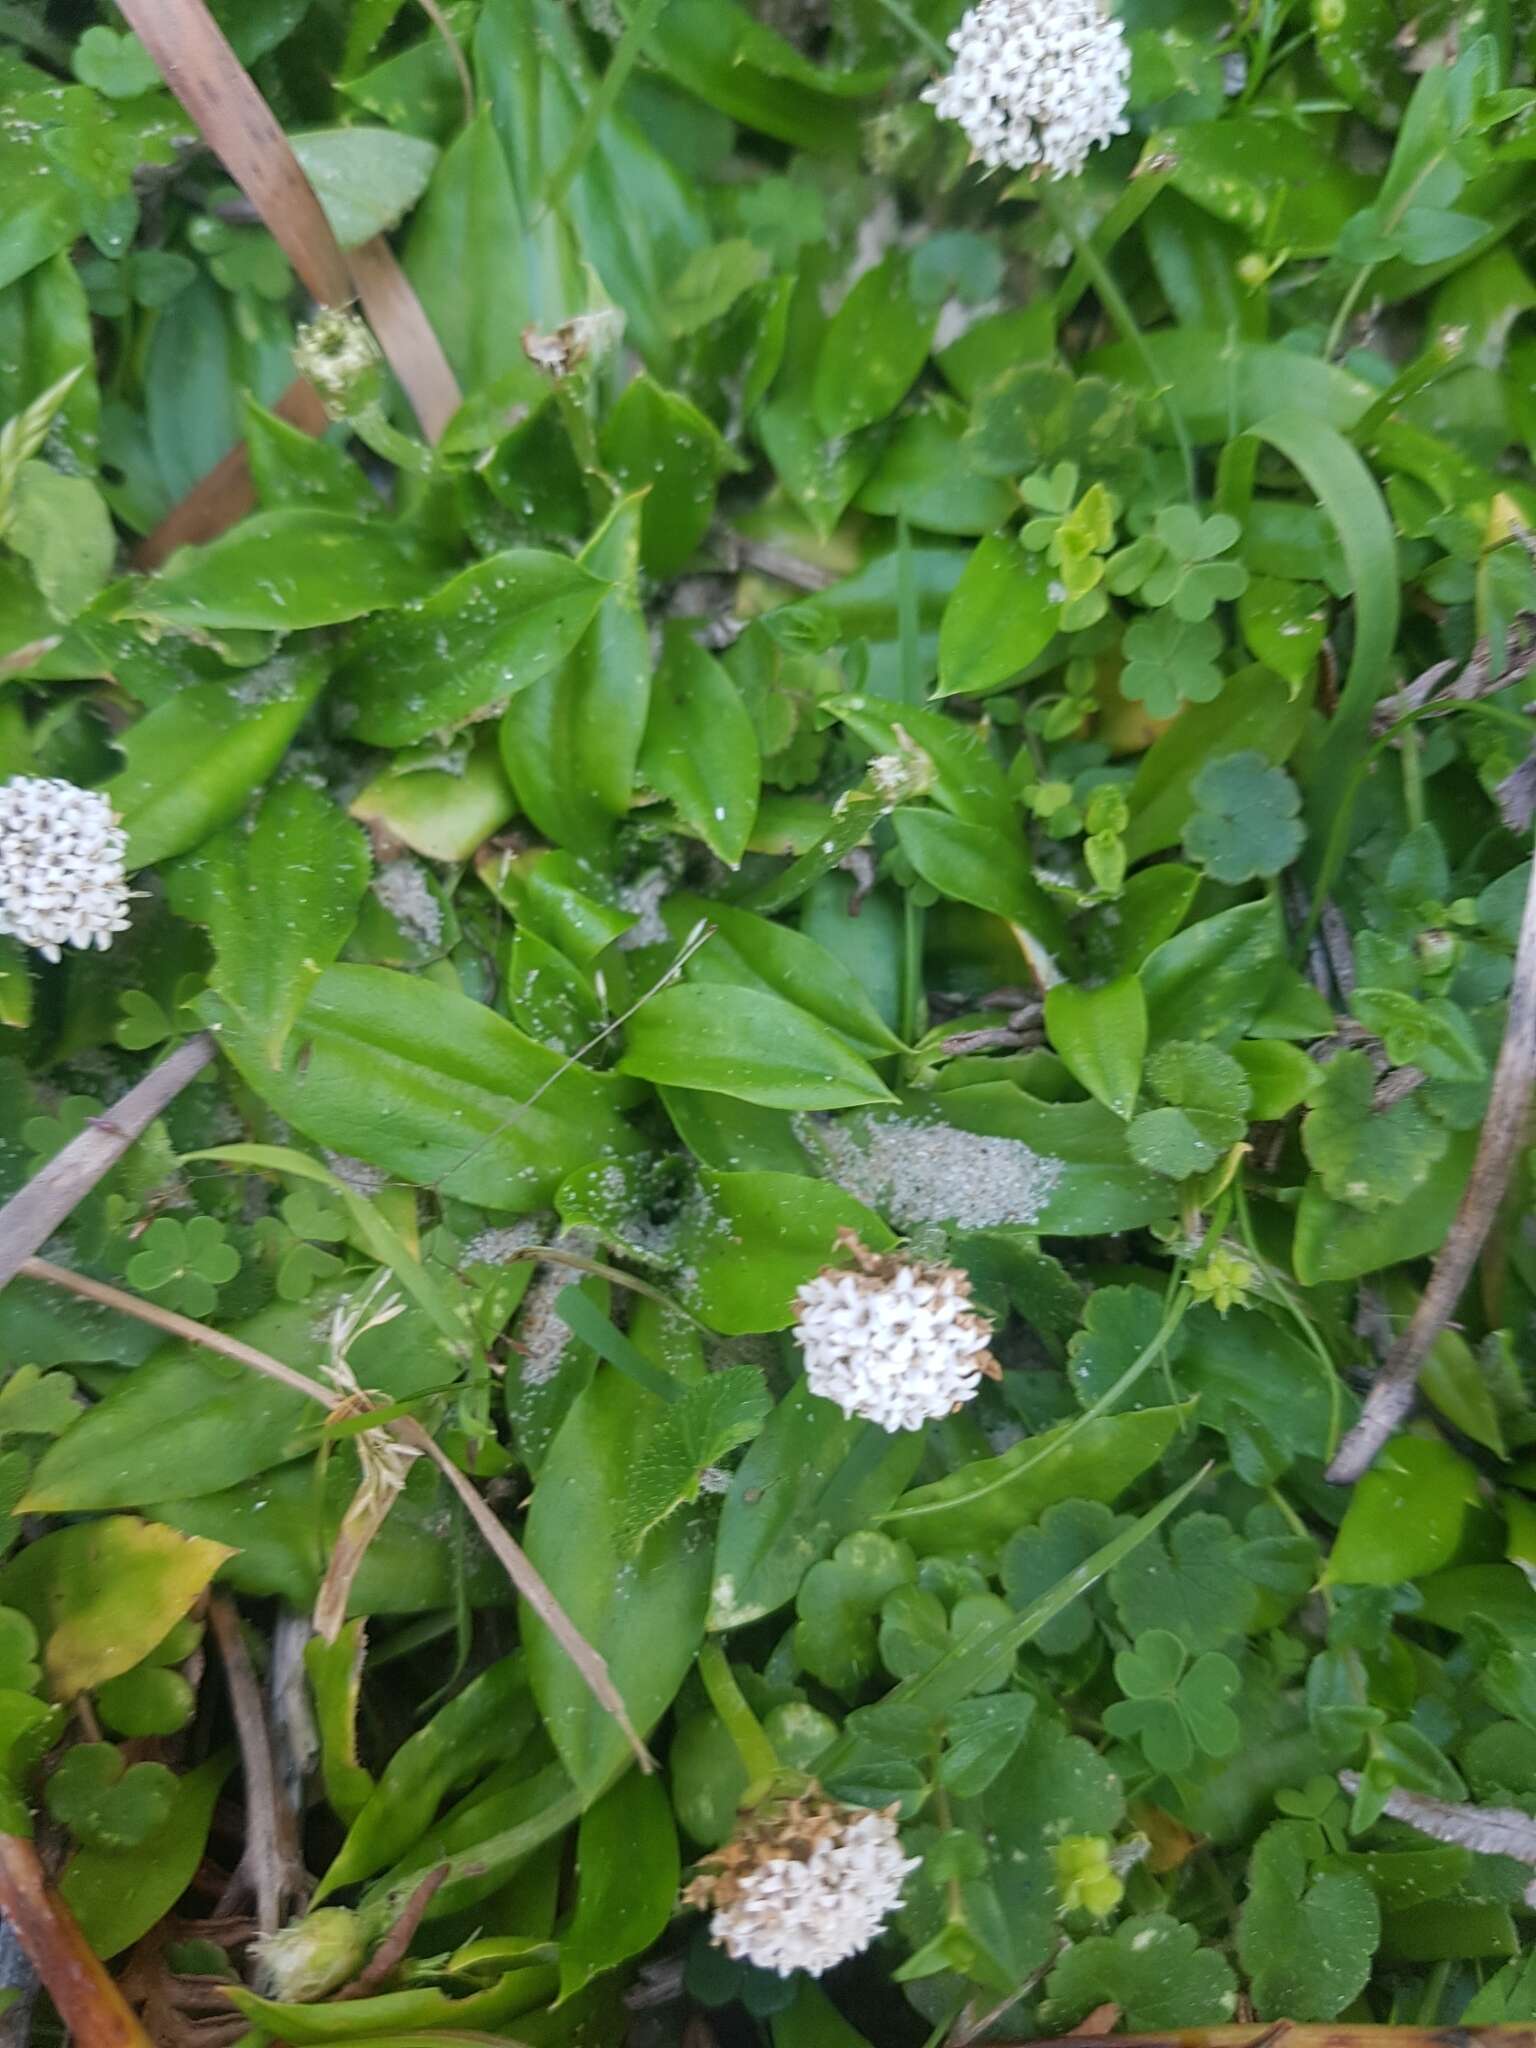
x,y
401,886
63,877
1036,82
803,1885
539,1336
916,1173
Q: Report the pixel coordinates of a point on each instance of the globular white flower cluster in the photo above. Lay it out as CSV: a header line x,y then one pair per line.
x,y
1036,82
62,879
803,1885
893,1341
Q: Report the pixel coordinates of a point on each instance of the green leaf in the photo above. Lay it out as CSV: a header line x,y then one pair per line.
x,y
1405,1516
1245,822
1169,662
984,1502
700,749
185,1421
1190,1584
487,633
643,1614
194,760
1306,1939
753,1046
103,1593
659,442
874,347
117,1895
1349,494
470,206
1210,981
279,901
437,1089
1100,1035
571,740
366,179
482,1725
1284,625
627,1875
1371,1159
61,528
977,864
751,952
1152,1968
1253,711
282,570
838,1601
811,1478
1433,1035
1000,617
1335,1241
1208,1097
443,813
105,1804
711,1419
1271,184
335,1672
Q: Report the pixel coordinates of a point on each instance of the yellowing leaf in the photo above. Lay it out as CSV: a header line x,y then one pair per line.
x,y
103,1594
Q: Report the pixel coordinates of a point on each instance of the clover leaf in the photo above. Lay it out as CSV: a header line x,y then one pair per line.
x,y
185,1263
1245,823
1170,662
1172,1708
1176,564
1306,1938
1152,1967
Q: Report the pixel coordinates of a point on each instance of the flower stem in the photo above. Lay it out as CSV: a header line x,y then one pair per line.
x,y
742,1725
1118,308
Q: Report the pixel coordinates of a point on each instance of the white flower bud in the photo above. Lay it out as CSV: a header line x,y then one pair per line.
x,y
894,1341
310,1958
803,1884
62,876
338,355
1036,82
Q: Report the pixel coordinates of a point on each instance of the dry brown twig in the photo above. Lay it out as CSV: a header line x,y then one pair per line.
x,y
1503,1134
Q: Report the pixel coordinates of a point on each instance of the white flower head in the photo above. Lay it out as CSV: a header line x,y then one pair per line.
x,y
803,1884
62,876
1036,83
892,1340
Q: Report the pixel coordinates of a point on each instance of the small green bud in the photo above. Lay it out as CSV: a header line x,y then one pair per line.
x,y
1225,1280
312,1957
